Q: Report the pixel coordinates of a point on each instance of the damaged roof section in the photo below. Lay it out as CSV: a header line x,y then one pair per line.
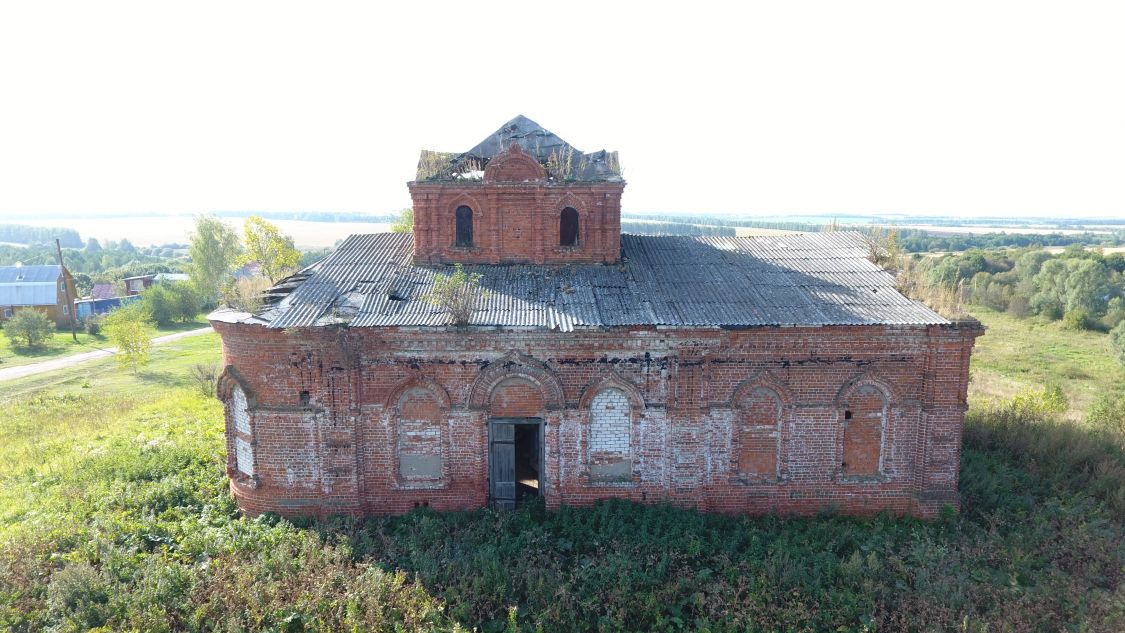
x,y
562,161
794,280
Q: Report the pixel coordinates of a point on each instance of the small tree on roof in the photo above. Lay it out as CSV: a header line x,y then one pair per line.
x,y
457,294
270,248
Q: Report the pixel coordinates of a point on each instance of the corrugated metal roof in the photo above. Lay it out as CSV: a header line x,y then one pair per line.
x,y
811,279
29,285
13,274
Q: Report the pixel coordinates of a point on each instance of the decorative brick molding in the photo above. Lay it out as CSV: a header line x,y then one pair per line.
x,y
514,165
417,381
516,365
612,381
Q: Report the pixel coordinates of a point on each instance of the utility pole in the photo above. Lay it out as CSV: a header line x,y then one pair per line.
x,y
70,307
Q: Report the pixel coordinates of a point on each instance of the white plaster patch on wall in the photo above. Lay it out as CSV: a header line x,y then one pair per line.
x,y
239,411
610,418
653,447
245,456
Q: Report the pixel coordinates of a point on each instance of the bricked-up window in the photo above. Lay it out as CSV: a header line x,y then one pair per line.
x,y
418,441
757,435
611,421
568,227
240,416
464,226
864,418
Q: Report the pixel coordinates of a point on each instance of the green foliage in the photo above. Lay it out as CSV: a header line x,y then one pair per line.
x,y
1108,413
92,324
1117,340
244,294
167,303
159,303
405,222
457,294
1076,319
266,245
29,326
214,250
130,329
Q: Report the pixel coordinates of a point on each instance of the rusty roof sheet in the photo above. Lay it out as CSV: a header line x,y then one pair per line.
x,y
791,280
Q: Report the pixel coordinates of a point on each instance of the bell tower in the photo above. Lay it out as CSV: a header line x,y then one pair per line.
x,y
521,196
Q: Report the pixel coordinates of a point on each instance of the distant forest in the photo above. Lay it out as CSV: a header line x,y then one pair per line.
x,y
311,216
910,240
36,235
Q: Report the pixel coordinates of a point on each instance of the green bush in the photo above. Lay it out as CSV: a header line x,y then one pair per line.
x,y
1108,413
159,303
28,326
168,303
92,324
1117,340
1077,319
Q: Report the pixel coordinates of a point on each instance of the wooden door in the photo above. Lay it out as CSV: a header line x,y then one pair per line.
x,y
502,465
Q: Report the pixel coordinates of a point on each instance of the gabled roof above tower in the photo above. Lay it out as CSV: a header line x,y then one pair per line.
x,y
561,160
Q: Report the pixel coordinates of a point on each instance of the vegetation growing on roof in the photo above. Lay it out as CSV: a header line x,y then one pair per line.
x,y
560,160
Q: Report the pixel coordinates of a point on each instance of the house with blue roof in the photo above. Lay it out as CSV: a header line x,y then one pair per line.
x,y
48,289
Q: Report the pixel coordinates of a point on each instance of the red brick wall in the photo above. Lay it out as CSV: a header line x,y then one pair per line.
x,y
732,421
517,222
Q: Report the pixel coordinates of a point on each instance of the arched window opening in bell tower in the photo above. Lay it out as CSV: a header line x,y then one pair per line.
x,y
464,226
568,227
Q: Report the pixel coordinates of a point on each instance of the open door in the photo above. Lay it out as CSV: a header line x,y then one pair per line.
x,y
502,465
515,461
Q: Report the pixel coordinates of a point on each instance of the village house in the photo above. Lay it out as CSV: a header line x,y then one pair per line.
x,y
40,288
762,374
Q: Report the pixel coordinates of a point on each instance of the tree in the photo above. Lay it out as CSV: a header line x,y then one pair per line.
x,y
405,222
457,294
159,303
185,301
28,325
1117,339
92,245
214,250
83,284
268,246
1087,286
130,329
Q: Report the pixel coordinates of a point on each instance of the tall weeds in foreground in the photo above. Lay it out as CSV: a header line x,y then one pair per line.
x,y
123,521
1029,429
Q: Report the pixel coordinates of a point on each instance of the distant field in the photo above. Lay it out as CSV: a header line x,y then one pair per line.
x,y
1105,249
743,231
983,230
156,230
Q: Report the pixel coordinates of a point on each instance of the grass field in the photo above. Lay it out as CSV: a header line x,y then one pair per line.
x,y
1018,354
114,513
62,344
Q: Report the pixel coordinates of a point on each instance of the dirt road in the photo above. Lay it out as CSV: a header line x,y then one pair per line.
x,y
12,373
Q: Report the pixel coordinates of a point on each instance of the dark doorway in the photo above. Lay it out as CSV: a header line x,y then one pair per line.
x,y
568,227
515,461
464,226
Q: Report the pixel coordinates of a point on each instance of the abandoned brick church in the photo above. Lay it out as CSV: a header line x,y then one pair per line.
x,y
759,374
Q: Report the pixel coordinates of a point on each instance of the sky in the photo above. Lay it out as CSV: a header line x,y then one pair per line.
x,y
765,109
